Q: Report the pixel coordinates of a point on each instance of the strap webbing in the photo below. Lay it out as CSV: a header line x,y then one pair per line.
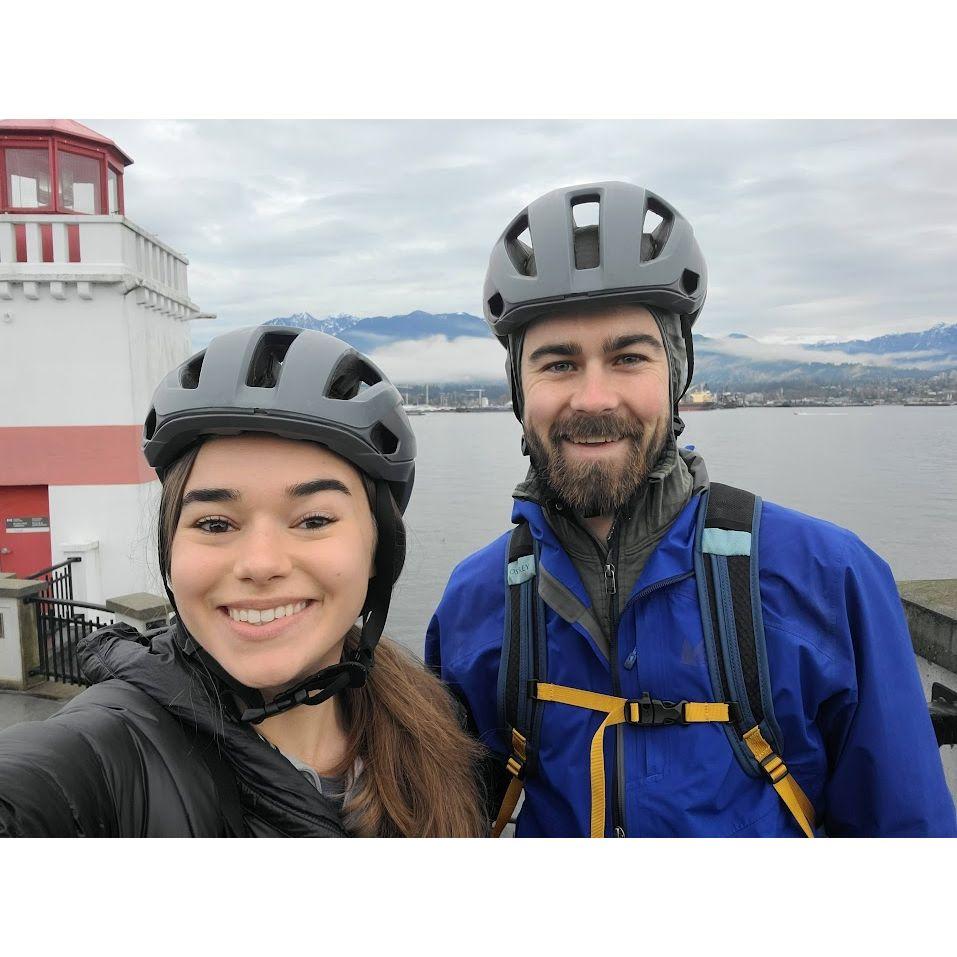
x,y
617,711
509,802
515,767
788,789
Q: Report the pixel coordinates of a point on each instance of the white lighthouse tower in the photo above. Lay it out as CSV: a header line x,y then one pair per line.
x,y
94,311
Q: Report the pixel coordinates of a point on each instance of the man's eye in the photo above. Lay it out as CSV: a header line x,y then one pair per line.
x,y
632,359
214,525
559,367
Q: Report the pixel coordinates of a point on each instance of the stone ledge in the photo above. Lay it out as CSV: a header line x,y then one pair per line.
x,y
20,588
931,610
140,605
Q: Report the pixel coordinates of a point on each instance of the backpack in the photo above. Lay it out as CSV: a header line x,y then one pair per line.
x,y
726,538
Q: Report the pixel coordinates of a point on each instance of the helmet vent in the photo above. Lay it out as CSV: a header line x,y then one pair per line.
x,y
383,439
689,281
266,366
655,229
496,305
350,376
518,245
189,374
586,213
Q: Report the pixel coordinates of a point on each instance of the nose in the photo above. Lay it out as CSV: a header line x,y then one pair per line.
x,y
261,554
594,392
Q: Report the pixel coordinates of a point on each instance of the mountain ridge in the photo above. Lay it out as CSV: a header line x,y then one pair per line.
x,y
732,362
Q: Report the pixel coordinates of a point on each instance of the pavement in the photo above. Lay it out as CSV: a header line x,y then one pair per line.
x,y
44,700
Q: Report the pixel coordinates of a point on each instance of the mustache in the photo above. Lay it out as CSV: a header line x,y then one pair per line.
x,y
578,428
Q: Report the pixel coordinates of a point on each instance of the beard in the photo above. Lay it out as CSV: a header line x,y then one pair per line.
x,y
596,488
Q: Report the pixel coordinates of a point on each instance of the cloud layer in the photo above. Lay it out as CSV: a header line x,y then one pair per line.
x,y
811,228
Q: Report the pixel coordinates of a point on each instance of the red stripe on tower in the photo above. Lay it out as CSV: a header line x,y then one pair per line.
x,y
73,455
46,242
73,241
20,234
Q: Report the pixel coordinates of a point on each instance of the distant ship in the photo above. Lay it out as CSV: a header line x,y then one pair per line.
x,y
698,400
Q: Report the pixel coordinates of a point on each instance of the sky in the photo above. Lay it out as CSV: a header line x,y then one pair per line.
x,y
811,228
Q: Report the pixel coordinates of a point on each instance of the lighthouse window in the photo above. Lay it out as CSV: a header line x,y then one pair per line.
x,y
79,183
28,178
113,189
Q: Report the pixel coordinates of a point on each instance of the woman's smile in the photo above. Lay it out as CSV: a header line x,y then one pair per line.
x,y
260,620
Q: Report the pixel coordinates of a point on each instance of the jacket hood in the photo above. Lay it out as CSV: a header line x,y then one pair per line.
x,y
164,667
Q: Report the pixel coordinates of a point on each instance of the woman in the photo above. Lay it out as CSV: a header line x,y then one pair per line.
x,y
286,463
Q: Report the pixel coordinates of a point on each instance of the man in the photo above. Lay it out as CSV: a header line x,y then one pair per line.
x,y
790,705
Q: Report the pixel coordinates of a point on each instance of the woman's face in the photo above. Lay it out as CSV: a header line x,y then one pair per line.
x,y
272,556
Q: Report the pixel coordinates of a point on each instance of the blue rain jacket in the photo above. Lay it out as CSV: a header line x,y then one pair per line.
x,y
847,696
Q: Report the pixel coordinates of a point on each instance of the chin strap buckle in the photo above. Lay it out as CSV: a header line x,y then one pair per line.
x,y
314,690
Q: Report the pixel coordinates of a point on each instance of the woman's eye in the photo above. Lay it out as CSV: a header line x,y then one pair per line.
x,y
315,521
214,525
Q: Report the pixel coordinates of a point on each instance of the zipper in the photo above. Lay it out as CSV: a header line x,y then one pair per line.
x,y
611,582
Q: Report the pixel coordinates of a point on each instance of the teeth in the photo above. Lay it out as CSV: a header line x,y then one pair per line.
x,y
256,616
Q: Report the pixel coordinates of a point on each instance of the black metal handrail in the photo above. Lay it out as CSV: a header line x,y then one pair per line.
x,y
36,599
53,568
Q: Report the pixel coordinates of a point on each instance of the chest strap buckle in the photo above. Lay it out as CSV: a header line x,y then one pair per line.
x,y
655,712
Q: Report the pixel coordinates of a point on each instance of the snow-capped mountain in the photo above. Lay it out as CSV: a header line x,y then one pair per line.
x,y
735,361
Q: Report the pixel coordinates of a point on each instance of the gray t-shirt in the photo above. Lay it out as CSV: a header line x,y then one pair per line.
x,y
334,788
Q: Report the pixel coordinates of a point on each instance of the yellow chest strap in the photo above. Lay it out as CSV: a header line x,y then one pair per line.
x,y
648,712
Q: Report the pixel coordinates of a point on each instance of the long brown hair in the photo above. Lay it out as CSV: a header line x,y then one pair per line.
x,y
419,776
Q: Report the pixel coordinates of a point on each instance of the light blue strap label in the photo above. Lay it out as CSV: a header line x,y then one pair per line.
x,y
521,570
719,541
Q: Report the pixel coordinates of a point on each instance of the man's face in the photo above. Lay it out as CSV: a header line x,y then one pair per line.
x,y
597,407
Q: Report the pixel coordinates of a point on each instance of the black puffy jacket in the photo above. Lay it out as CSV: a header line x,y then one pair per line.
x,y
150,751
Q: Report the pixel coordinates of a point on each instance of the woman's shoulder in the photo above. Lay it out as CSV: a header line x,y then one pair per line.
x,y
112,762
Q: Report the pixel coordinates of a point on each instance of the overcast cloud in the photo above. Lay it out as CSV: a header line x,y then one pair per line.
x,y
811,229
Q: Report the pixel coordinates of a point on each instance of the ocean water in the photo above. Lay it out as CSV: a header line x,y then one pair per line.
x,y
887,473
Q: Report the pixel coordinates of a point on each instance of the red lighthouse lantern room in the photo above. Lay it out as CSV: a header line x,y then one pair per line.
x,y
59,166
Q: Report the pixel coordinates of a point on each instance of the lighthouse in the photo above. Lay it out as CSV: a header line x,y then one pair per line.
x,y
94,311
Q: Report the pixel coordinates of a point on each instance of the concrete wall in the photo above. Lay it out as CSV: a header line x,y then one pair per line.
x,y
931,610
122,519
66,362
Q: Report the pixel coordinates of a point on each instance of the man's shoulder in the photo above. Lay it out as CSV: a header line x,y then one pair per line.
x,y
808,536
483,566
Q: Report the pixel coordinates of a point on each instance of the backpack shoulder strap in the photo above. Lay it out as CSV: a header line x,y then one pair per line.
x,y
523,662
734,626
726,569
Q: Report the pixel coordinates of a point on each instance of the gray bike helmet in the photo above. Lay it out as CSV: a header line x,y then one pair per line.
x,y
296,383
543,259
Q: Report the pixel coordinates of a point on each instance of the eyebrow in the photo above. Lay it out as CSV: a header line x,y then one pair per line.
x,y
293,491
210,495
617,343
566,349
316,485
611,344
